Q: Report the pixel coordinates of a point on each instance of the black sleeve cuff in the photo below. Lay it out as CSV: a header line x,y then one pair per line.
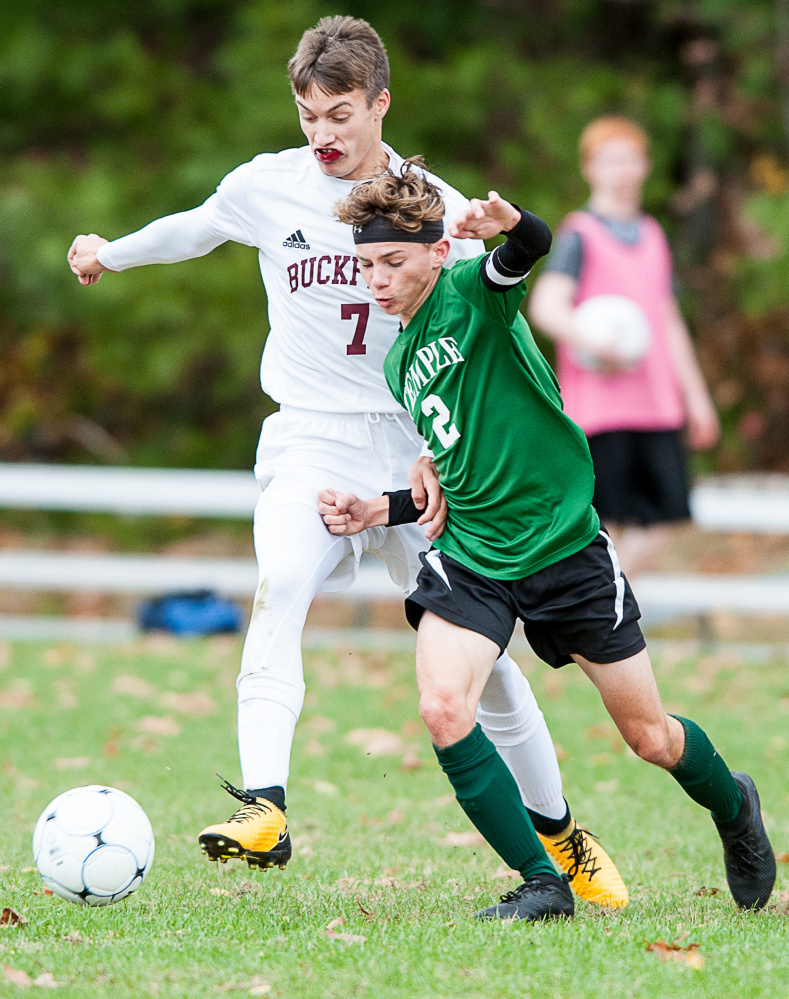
x,y
510,262
531,235
402,509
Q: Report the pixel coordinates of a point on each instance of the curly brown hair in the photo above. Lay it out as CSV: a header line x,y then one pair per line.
x,y
406,199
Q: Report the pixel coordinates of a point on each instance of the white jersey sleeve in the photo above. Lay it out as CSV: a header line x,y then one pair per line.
x,y
224,216
165,241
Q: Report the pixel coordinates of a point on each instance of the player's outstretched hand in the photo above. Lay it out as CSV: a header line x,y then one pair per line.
x,y
82,258
483,219
343,513
427,494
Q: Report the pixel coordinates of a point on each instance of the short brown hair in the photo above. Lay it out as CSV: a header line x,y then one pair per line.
x,y
406,199
338,55
610,126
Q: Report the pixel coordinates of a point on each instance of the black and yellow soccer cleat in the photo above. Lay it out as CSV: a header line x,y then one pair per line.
x,y
593,875
257,833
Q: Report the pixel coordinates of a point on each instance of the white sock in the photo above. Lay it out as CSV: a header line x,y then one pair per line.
x,y
511,718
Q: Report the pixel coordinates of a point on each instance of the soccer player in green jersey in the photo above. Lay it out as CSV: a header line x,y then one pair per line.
x,y
522,540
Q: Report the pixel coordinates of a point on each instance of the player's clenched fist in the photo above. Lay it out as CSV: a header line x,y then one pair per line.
x,y
345,514
82,258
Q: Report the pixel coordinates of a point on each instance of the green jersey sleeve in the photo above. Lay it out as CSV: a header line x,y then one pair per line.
x,y
500,305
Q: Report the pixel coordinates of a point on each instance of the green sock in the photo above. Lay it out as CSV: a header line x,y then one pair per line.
x,y
488,794
703,775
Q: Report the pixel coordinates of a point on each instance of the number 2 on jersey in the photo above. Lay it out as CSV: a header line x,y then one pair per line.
x,y
362,313
447,435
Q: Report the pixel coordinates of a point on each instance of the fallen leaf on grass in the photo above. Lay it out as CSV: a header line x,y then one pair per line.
x,y
133,686
314,748
16,699
376,741
10,917
674,952
390,882
71,762
195,703
324,787
15,976
704,891
319,724
260,990
462,839
411,760
782,858
339,921
346,937
151,725
46,980
506,873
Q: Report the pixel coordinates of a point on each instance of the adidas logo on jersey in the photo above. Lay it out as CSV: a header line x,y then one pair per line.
x,y
296,241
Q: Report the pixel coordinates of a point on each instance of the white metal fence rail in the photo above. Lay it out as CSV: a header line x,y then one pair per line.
x,y
758,504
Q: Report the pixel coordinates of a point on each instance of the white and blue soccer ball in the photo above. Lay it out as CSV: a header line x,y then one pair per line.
x,y
93,845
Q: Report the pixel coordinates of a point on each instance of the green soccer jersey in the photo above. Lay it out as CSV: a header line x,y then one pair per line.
x,y
516,472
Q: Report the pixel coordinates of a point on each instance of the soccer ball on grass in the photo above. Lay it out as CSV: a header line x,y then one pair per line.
x,y
93,845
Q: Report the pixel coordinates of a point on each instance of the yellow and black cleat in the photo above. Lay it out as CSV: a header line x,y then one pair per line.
x,y
593,875
257,833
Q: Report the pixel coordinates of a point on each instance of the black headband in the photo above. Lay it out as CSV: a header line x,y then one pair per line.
x,y
381,230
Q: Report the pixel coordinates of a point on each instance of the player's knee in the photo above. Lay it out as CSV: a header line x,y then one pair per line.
x,y
443,712
651,743
279,590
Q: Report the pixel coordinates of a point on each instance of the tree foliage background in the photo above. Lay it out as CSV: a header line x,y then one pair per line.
x,y
115,114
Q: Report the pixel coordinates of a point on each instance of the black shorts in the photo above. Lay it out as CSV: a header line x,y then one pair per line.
x,y
580,605
640,476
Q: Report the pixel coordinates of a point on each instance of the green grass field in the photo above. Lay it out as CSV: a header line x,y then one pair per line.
x,y
378,839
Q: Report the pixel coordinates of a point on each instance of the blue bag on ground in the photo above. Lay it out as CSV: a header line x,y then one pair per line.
x,y
200,612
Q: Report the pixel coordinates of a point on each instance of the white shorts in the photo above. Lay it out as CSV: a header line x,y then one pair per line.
x,y
301,452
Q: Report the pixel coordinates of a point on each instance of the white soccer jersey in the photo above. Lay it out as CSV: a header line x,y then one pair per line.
x,y
328,338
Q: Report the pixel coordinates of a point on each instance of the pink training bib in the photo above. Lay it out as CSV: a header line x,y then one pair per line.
x,y
647,397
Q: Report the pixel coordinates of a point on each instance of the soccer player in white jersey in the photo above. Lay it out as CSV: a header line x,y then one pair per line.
x,y
338,422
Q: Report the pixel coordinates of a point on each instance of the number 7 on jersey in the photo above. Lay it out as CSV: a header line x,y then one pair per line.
x,y
362,313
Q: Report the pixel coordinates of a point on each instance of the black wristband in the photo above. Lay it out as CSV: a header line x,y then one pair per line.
x,y
402,509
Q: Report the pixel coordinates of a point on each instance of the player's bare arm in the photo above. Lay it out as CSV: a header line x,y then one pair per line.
x,y
702,420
